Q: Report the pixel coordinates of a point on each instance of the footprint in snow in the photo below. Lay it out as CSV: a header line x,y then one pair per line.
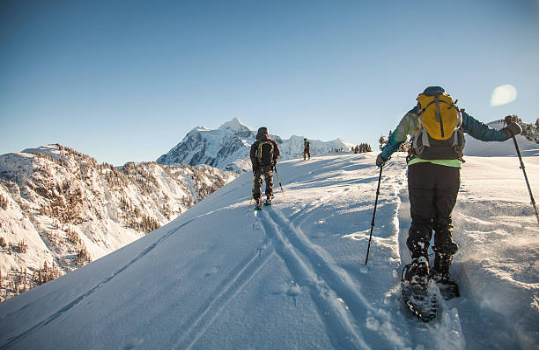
x,y
294,291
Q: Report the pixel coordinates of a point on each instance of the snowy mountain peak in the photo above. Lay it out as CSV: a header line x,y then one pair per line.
x,y
228,147
53,150
237,127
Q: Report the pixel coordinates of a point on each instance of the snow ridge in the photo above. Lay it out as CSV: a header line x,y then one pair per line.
x,y
61,210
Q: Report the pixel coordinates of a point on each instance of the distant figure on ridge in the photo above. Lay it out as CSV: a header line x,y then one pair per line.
x,y
264,154
436,127
306,149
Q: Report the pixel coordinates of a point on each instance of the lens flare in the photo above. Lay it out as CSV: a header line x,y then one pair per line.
x,y
503,94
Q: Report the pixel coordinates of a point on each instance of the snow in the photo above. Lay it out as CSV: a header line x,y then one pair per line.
x,y
102,219
292,276
237,127
228,147
475,147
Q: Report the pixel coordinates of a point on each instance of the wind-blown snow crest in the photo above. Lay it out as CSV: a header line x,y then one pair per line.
x,y
292,276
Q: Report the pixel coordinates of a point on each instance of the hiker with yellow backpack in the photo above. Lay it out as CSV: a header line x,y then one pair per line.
x,y
264,154
437,128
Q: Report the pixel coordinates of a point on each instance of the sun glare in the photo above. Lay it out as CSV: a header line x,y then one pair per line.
x,y
503,94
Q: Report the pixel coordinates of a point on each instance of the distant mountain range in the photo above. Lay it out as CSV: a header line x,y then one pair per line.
x,y
227,147
60,209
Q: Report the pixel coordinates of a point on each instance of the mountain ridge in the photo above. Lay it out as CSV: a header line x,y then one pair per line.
x,y
60,209
228,147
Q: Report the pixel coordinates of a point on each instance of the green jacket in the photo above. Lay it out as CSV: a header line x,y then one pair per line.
x,y
410,124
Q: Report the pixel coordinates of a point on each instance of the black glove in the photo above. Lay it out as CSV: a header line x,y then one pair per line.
x,y
380,161
512,129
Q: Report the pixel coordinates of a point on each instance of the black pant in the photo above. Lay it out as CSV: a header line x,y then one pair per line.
x,y
266,173
433,191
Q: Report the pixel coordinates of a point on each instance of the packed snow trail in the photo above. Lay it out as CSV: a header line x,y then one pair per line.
x,y
445,331
292,276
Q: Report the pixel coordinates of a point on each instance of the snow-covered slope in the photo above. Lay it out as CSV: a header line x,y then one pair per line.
x,y
228,147
527,147
59,209
222,276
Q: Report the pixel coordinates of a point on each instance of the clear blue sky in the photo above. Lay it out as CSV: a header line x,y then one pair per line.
x,y
125,80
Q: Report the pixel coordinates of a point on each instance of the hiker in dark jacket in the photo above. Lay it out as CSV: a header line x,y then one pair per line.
x,y
306,149
264,154
433,184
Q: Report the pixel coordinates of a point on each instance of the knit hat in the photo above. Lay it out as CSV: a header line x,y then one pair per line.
x,y
433,90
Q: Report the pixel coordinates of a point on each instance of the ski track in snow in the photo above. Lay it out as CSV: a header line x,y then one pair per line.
x,y
347,313
333,313
196,326
77,300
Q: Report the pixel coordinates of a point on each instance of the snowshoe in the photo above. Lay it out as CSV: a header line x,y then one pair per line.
x,y
268,201
258,205
448,289
420,299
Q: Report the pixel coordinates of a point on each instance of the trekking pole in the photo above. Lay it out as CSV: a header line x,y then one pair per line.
x,y
252,186
508,120
277,175
374,212
526,178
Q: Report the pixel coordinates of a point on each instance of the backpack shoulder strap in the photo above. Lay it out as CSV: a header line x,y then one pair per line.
x,y
260,146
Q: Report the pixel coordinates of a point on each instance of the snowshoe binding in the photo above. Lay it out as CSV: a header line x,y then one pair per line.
x,y
268,201
417,294
440,274
258,205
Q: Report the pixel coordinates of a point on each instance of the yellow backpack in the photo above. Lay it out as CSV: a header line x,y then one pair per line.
x,y
441,134
265,153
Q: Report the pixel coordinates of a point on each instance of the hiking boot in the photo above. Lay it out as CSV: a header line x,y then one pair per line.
x,y
441,267
418,272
